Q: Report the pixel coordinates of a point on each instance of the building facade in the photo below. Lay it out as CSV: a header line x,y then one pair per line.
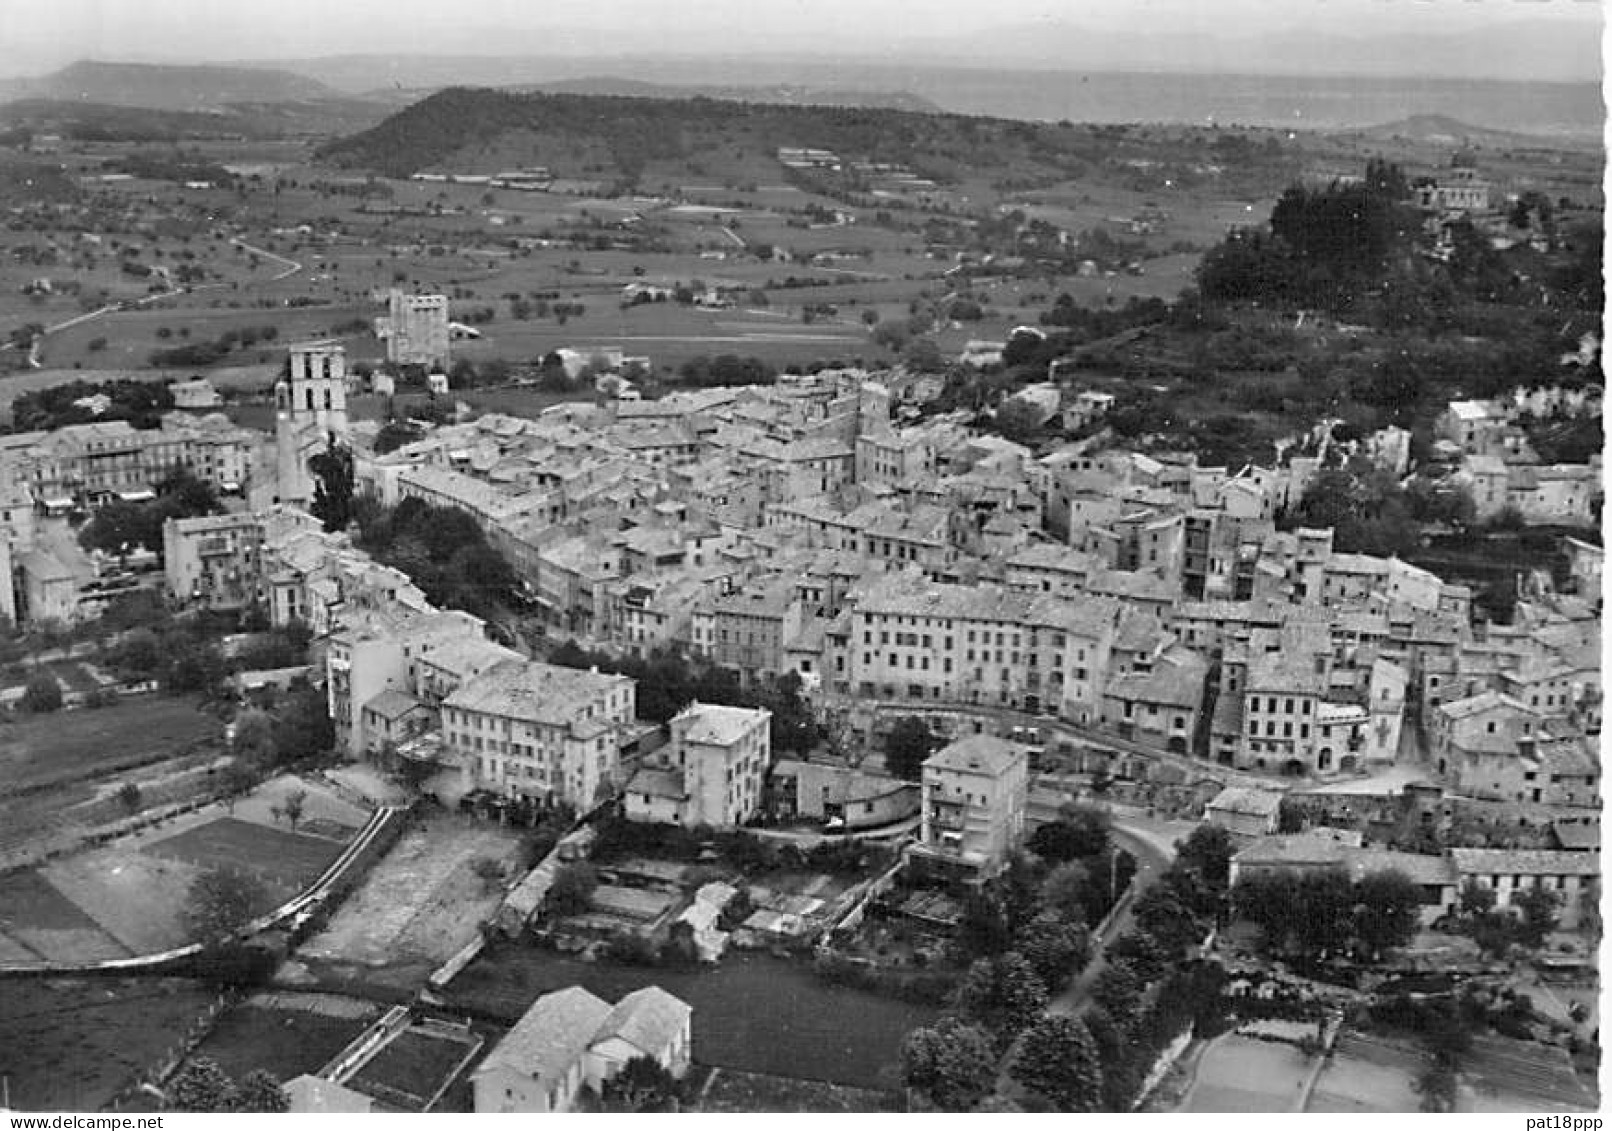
x,y
523,728
974,794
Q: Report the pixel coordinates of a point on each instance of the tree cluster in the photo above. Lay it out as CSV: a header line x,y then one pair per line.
x,y
42,694
1495,931
1314,916
1035,913
952,1064
122,527
443,551
1368,511
725,369
184,656
1322,246
199,355
141,403
572,890
202,1086
906,746
332,502
668,681
395,434
1146,994
1142,1000
642,1085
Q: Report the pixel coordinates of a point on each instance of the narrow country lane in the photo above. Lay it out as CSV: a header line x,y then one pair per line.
x,y
1152,843
1153,854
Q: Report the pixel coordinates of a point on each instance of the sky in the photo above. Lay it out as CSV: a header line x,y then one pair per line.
x,y
43,34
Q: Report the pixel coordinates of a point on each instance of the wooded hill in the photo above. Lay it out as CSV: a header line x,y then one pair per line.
x,y
784,94
160,86
454,129
99,121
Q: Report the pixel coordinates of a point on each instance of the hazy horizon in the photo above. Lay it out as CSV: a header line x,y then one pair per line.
x,y
1551,36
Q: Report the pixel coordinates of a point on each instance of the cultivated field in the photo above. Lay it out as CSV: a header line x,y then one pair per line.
x,y
62,771
286,1034
302,233
70,1044
1237,1073
52,749
752,1012
1367,1074
37,921
732,1091
414,1065
128,897
284,861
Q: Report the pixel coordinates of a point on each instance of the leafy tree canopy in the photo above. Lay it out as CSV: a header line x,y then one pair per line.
x,y
1058,1061
952,1063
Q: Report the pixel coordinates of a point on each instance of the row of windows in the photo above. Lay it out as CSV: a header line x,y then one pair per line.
x,y
494,746
922,662
1270,729
1556,883
1287,705
926,640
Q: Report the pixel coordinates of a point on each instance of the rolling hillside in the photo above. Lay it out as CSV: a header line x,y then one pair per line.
x,y
93,121
466,130
1440,129
168,87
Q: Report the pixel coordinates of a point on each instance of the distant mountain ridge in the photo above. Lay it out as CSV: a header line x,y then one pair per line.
x,y
98,121
1441,129
783,94
194,89
1521,50
1079,85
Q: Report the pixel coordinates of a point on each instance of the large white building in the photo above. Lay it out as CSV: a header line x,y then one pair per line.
x,y
416,329
711,771
89,464
912,639
222,561
569,1040
974,793
425,657
524,728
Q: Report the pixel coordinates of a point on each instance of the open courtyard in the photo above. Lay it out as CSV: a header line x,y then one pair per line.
x,y
422,902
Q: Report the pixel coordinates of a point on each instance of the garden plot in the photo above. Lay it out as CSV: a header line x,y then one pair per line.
x,y
131,893
1242,1074
38,923
730,1090
138,900
69,1044
286,1034
284,862
415,1067
1368,1073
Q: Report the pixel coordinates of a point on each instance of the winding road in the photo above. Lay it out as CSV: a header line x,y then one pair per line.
x,y
291,268
1152,843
